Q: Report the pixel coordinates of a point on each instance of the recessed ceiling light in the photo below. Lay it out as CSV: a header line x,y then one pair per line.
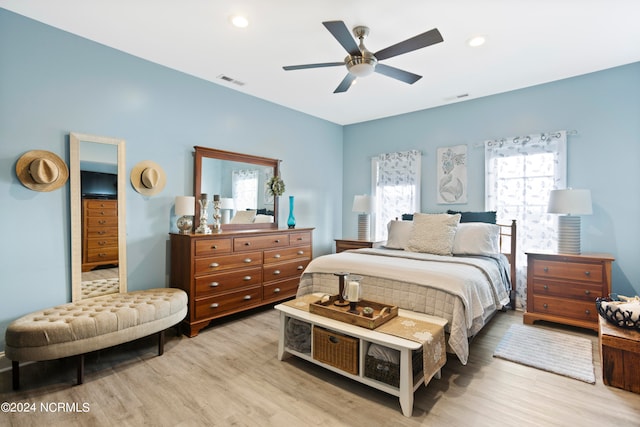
x,y
239,21
476,41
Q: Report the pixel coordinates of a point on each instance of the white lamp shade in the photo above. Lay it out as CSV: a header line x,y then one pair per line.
x,y
363,203
185,205
570,202
226,203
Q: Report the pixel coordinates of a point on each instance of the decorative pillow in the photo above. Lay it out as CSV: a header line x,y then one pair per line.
x,y
476,238
244,217
399,233
488,217
260,218
433,233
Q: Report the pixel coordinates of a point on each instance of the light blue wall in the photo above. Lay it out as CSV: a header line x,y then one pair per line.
x,y
604,156
52,82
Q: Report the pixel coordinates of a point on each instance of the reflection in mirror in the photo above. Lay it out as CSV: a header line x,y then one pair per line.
x,y
240,180
98,235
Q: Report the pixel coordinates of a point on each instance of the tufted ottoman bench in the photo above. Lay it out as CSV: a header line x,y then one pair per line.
x,y
92,324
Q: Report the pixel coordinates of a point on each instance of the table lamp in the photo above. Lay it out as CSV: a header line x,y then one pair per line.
x,y
570,204
185,210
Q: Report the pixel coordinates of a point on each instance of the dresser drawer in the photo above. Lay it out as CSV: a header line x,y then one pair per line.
x,y
284,269
579,310
224,282
260,242
588,272
102,254
107,221
101,212
102,232
224,303
281,289
225,262
279,255
102,243
301,238
101,204
206,247
583,291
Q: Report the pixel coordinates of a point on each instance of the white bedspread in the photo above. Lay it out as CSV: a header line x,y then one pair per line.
x,y
463,290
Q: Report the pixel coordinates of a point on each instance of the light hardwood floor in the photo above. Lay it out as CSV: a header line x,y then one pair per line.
x,y
229,375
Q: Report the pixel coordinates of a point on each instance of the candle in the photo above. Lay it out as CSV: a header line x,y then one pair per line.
x,y
353,291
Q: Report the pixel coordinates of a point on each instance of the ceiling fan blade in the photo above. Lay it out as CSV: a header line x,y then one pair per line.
x,y
414,43
345,84
340,31
320,65
398,74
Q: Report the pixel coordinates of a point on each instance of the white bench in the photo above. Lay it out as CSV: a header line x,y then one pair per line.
x,y
77,328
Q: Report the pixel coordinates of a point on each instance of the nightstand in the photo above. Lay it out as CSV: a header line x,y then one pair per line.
x,y
344,244
563,288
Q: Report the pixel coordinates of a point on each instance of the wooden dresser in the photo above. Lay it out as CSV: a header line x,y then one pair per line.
x,y
234,271
563,288
99,233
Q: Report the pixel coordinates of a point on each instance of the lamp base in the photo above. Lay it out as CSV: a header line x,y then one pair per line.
x,y
364,227
569,235
184,223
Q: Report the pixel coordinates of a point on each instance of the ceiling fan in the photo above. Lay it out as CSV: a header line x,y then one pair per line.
x,y
361,62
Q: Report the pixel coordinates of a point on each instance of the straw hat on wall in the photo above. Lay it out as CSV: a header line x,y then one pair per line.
x,y
148,178
41,170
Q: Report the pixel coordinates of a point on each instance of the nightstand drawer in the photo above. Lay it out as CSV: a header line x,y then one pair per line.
x,y
583,291
579,310
588,272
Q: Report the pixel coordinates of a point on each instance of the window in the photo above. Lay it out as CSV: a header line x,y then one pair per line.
x,y
396,188
519,175
245,189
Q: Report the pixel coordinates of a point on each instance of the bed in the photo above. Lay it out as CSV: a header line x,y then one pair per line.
x,y
436,264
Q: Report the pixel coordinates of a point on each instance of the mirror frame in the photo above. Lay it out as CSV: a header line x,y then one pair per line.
x,y
212,153
75,201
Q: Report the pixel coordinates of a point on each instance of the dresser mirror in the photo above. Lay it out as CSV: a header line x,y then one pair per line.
x,y
240,180
98,232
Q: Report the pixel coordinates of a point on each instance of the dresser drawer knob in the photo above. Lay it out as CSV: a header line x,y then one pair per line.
x,y
102,243
299,238
101,212
587,292
546,269
215,305
214,265
276,272
102,221
300,267
545,305
587,312
276,290
300,252
101,232
214,247
247,243
214,284
546,287
247,260
587,273
277,256
247,297
246,278
101,255
277,241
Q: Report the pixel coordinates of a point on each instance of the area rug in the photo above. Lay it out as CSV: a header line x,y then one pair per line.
x,y
551,351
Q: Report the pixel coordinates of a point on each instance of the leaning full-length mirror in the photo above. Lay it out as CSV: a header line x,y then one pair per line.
x,y
97,197
240,180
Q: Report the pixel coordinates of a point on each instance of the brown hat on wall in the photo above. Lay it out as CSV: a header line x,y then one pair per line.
x,y
148,178
41,170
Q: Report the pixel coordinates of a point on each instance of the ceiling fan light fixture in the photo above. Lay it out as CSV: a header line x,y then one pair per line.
x,y
476,41
239,21
360,66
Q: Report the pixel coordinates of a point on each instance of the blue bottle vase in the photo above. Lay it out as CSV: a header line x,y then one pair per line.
x,y
291,221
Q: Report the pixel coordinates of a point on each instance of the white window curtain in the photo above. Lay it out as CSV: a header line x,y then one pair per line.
x,y
520,172
396,187
245,189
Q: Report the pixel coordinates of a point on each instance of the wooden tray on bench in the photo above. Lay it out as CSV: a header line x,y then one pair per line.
x,y
328,309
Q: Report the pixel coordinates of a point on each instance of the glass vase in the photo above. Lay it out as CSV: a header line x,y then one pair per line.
x,y
291,221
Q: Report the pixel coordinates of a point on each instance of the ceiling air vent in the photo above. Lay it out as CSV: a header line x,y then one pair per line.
x,y
231,80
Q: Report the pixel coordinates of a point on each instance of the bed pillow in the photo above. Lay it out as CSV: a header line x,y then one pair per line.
x,y
476,238
244,217
488,217
433,233
398,234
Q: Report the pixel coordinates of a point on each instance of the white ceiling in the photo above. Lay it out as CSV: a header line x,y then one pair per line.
x,y
528,42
